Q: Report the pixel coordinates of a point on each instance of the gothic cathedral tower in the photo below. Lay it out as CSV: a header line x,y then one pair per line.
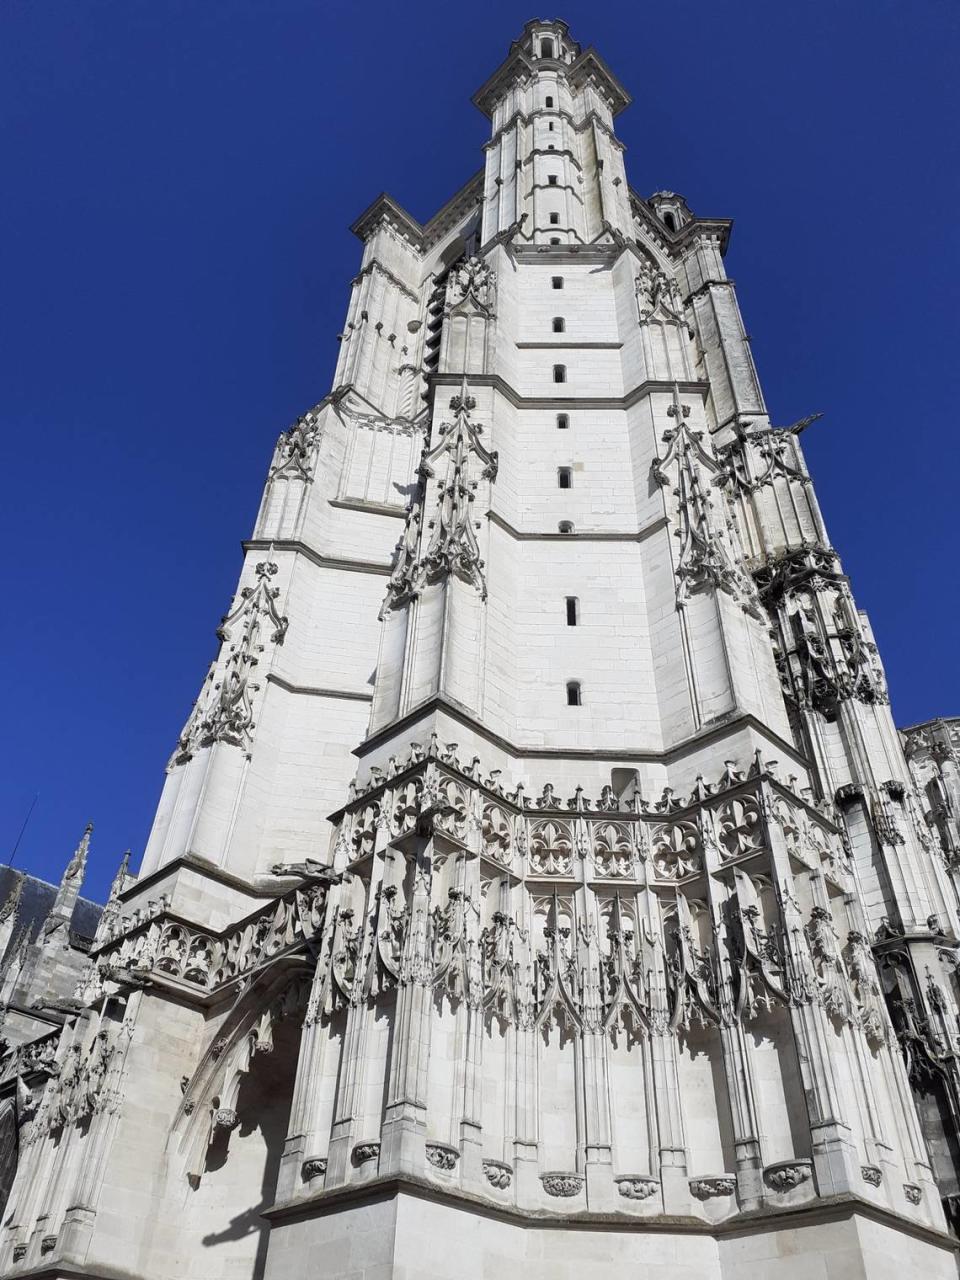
x,y
539,886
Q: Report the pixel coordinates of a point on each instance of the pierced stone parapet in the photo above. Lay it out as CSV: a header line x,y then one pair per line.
x,y
637,1186
562,1184
498,1174
163,944
787,1174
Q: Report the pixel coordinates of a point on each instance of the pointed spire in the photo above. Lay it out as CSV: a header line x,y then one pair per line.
x,y
120,879
61,913
112,909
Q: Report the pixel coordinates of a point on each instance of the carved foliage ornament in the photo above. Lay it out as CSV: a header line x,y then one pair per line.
x,y
637,1188
453,548
562,1184
706,558
293,458
498,1174
471,281
224,710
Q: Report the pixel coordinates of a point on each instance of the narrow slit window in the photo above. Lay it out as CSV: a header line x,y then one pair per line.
x,y
559,324
557,282
564,478
574,698
550,127
554,219
552,179
563,421
573,611
565,526
559,373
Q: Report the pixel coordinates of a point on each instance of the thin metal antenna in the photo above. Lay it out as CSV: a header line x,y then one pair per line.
x,y
33,805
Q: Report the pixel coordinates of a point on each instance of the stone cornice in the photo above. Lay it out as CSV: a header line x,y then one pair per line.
x,y
350,695
632,397
316,557
646,754
824,1209
587,535
420,235
201,866
376,265
596,251
569,346
526,117
371,508
587,67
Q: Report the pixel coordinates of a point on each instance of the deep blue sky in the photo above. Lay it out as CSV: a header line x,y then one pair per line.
x,y
174,265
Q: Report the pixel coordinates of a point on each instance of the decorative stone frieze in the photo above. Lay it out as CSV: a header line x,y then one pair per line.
x,y
313,1167
442,1156
706,1188
363,1152
562,1184
787,1174
637,1187
498,1174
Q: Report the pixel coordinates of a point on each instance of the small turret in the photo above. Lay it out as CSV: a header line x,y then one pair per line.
x,y
61,913
112,909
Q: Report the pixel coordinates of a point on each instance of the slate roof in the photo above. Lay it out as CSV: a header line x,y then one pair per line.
x,y
36,900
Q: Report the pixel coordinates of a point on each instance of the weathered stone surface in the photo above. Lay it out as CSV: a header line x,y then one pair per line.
x,y
540,887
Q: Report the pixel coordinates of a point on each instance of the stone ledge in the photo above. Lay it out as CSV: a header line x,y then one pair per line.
x,y
752,1222
647,753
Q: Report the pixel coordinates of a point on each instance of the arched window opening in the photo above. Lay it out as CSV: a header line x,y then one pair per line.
x,y
552,179
565,526
559,325
554,219
563,421
546,48
573,611
574,698
564,478
559,373
548,102
670,221
557,282
554,239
